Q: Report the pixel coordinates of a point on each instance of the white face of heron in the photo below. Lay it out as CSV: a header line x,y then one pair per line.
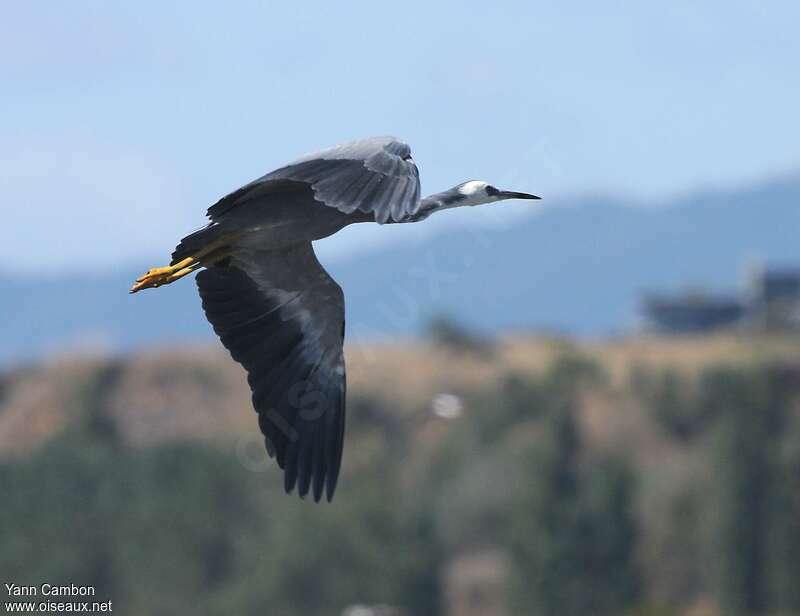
x,y
477,192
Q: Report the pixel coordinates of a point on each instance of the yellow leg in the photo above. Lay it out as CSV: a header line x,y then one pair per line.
x,y
169,269
180,273
158,276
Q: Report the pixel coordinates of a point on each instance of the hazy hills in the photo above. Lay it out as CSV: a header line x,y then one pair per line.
x,y
578,266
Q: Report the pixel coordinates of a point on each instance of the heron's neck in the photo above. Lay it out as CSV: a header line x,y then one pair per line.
x,y
438,201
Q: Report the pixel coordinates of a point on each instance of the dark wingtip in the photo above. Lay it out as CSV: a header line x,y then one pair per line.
x,y
289,478
315,494
330,486
305,483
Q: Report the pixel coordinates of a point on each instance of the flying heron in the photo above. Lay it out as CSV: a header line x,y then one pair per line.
x,y
274,306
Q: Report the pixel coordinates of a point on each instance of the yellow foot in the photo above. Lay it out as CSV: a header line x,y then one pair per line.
x,y
159,276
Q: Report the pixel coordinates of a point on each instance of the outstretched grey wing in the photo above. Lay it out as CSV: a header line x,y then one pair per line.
x,y
375,175
281,316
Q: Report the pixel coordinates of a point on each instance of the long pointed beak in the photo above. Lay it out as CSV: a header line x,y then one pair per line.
x,y
510,194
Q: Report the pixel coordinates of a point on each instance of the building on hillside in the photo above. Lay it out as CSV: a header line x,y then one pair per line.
x,y
690,313
769,301
772,297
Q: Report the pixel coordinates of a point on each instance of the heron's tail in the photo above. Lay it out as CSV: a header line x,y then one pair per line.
x,y
201,240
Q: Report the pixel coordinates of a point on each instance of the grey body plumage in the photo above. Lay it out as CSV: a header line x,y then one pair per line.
x,y
274,306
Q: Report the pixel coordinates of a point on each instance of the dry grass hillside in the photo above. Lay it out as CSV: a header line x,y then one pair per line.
x,y
199,392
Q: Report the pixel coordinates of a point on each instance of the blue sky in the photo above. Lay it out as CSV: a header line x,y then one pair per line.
x,y
121,122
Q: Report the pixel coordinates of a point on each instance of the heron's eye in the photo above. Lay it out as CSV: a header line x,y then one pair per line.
x,y
491,191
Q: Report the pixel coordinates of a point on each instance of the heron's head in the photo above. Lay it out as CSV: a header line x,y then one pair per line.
x,y
474,192
477,192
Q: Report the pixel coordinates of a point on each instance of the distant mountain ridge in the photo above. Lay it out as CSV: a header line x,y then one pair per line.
x,y
576,267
